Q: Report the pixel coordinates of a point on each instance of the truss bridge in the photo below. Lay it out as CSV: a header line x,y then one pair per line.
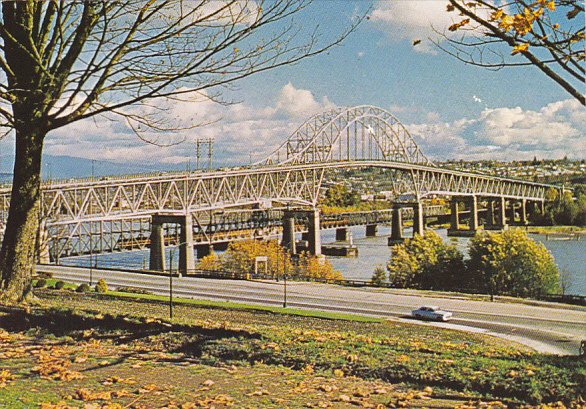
x,y
92,215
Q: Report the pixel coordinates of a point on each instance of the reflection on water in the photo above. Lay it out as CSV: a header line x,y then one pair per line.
x,y
374,251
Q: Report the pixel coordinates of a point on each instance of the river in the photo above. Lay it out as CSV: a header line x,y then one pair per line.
x,y
570,256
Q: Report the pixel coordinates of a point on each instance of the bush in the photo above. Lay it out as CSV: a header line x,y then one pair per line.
x,y
83,288
426,262
59,285
133,290
41,282
45,275
101,286
379,276
511,263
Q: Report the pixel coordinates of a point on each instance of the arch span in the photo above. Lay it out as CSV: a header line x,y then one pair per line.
x,y
349,134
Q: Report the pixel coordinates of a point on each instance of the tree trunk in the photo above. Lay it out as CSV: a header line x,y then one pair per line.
x,y
18,254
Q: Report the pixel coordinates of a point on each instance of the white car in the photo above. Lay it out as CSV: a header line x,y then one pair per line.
x,y
431,313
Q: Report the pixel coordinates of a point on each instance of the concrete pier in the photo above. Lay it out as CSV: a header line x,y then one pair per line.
x,y
418,224
473,205
523,213
511,211
396,227
186,259
499,219
314,239
288,240
157,252
157,260
454,230
371,230
342,234
490,219
454,214
204,250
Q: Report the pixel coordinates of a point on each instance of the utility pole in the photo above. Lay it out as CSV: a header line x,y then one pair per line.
x,y
198,150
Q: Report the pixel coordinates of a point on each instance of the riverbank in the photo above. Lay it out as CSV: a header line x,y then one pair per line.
x,y
79,348
553,230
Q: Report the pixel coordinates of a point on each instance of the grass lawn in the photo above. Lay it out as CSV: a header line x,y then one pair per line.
x,y
93,351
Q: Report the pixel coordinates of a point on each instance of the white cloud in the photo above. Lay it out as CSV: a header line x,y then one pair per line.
x,y
411,20
417,20
554,131
239,130
300,102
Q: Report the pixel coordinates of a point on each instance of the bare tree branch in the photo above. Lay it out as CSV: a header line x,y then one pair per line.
x,y
494,35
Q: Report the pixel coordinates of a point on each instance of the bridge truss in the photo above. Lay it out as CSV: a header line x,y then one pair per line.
x,y
358,137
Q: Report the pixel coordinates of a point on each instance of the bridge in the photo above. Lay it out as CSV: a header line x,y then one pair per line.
x,y
94,214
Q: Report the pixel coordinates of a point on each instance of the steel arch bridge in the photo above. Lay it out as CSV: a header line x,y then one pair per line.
x,y
363,136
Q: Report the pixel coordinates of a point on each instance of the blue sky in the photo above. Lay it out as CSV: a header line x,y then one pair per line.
x,y
452,110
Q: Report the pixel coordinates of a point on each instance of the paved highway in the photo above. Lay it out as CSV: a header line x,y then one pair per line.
x,y
547,327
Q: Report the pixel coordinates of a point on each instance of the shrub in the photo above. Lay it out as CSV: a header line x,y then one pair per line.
x,y
41,282
511,262
425,262
133,290
59,285
45,274
101,286
83,288
379,276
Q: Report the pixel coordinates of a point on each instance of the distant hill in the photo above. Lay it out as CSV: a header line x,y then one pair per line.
x,y
65,167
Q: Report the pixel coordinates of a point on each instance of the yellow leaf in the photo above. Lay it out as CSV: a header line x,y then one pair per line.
x,y
519,48
550,5
506,22
497,15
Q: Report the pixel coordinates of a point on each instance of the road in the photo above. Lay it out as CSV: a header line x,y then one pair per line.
x,y
546,327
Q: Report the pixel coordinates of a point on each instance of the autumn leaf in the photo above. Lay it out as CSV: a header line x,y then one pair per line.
x,y
497,15
450,7
5,378
520,48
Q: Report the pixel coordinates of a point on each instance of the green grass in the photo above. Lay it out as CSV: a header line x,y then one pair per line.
x,y
216,334
240,306
230,305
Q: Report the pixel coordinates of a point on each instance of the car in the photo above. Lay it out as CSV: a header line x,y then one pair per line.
x,y
431,312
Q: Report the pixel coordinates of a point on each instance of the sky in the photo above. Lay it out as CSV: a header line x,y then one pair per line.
x,y
453,110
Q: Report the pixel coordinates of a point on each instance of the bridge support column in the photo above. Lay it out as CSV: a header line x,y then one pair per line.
x,y
371,230
204,250
157,252
490,212
418,225
473,204
523,212
454,214
534,211
501,217
186,259
341,234
396,227
314,238
512,219
288,240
